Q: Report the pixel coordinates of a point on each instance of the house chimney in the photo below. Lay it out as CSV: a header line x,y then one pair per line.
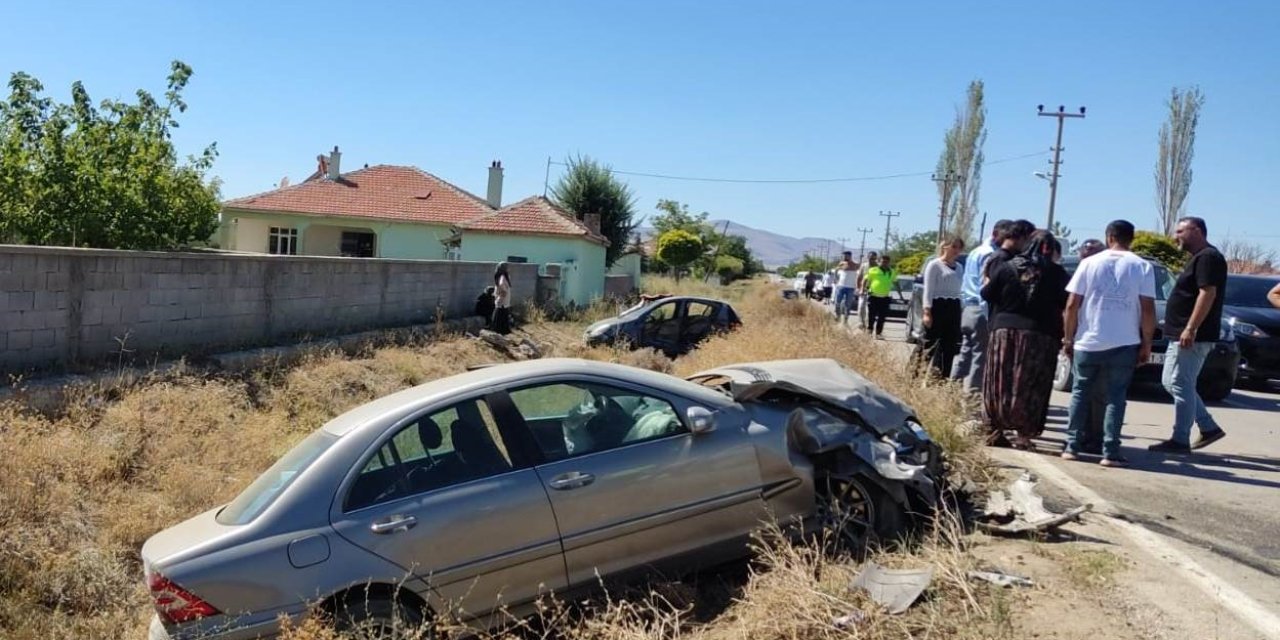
x,y
592,220
494,195
335,159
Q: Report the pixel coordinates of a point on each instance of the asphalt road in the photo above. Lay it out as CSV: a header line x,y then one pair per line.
x,y
1220,505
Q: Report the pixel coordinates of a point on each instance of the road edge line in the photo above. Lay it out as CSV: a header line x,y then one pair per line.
x,y
1248,610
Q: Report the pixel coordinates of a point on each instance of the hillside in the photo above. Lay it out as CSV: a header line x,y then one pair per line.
x,y
773,249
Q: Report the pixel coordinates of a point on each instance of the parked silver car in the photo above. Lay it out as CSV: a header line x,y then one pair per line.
x,y
488,489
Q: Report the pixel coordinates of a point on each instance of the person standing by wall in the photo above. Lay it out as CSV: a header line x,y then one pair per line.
x,y
846,286
1194,314
943,280
970,360
501,299
879,283
1110,321
1027,294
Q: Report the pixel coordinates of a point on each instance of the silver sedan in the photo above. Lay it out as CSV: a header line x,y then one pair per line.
x,y
478,493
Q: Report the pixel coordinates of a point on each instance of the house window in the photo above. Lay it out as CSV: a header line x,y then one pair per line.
x,y
357,244
283,241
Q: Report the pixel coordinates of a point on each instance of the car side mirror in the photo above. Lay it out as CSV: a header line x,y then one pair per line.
x,y
701,420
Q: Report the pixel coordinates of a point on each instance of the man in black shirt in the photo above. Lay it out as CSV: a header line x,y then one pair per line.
x,y
1192,322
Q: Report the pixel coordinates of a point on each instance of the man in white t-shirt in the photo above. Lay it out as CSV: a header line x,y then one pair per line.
x,y
1110,321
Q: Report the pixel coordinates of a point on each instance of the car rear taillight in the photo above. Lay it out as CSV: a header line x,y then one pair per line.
x,y
175,604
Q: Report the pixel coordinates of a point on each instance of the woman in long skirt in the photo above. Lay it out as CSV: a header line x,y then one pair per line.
x,y
1026,294
501,299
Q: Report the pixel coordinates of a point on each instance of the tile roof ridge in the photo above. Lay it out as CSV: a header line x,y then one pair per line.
x,y
308,181
459,190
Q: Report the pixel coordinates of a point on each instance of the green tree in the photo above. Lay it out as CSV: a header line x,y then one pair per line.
x,y
962,155
904,246
675,215
1160,248
1176,149
914,263
678,249
729,268
101,176
589,187
807,263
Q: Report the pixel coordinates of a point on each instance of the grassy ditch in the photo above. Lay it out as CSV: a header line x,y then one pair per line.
x,y
82,488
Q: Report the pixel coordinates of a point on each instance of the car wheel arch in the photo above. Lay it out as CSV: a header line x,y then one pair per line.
x,y
331,606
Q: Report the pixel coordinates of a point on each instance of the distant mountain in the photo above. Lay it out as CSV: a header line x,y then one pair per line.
x,y
773,249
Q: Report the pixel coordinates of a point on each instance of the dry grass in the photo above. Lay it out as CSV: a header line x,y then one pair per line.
x,y
81,489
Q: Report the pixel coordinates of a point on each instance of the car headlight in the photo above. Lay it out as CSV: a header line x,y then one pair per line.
x,y
1237,327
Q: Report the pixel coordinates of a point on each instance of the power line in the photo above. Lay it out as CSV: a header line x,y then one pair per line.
x,y
664,176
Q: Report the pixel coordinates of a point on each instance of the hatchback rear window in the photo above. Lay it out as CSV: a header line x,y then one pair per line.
x,y
259,495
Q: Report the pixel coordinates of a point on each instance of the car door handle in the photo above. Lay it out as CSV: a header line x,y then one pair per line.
x,y
571,480
396,523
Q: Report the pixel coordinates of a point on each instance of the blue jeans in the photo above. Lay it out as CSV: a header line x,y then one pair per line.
x,y
1181,370
1116,367
969,363
844,302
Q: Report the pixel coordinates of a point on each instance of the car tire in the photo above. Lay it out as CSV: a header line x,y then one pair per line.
x,y
1215,389
854,514
1062,374
379,618
911,325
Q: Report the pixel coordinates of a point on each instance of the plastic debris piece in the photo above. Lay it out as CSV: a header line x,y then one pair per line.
x,y
1001,579
895,589
1019,509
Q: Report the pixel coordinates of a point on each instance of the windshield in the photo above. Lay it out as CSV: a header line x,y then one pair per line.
x,y
1249,292
259,495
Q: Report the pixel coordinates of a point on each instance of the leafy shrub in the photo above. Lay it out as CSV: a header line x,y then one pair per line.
x,y
1160,248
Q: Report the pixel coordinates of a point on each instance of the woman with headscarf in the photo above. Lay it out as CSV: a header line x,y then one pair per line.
x,y
501,299
1026,294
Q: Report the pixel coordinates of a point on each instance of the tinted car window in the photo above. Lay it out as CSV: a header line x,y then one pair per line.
x,y
448,447
259,495
1249,292
574,419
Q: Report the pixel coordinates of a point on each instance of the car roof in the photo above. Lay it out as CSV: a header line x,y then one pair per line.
x,y
403,403
1266,277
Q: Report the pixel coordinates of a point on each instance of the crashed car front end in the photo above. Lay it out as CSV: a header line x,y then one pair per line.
x,y
842,423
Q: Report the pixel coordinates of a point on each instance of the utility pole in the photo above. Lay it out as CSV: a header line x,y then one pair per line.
x,y
1061,115
888,220
982,230
947,180
862,249
843,241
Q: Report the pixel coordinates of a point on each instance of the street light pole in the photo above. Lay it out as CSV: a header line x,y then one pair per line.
x,y
1061,115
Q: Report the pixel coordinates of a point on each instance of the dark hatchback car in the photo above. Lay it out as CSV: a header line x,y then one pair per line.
x,y
1256,325
1216,379
671,324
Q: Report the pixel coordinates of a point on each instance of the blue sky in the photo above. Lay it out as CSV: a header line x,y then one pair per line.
x,y
750,90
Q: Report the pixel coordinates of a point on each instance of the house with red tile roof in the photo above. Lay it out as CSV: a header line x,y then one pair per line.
x,y
387,211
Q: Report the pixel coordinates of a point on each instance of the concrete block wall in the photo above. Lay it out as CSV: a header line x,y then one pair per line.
x,y
60,306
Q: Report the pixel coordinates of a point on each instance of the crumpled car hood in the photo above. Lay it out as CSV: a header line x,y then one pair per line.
x,y
823,378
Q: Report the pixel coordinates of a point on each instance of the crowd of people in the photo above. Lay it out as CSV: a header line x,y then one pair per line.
x,y
997,321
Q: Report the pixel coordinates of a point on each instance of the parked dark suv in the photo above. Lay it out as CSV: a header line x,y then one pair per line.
x,y
1216,379
671,324
1256,325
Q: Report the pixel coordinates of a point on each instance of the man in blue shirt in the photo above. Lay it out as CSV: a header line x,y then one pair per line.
x,y
973,318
